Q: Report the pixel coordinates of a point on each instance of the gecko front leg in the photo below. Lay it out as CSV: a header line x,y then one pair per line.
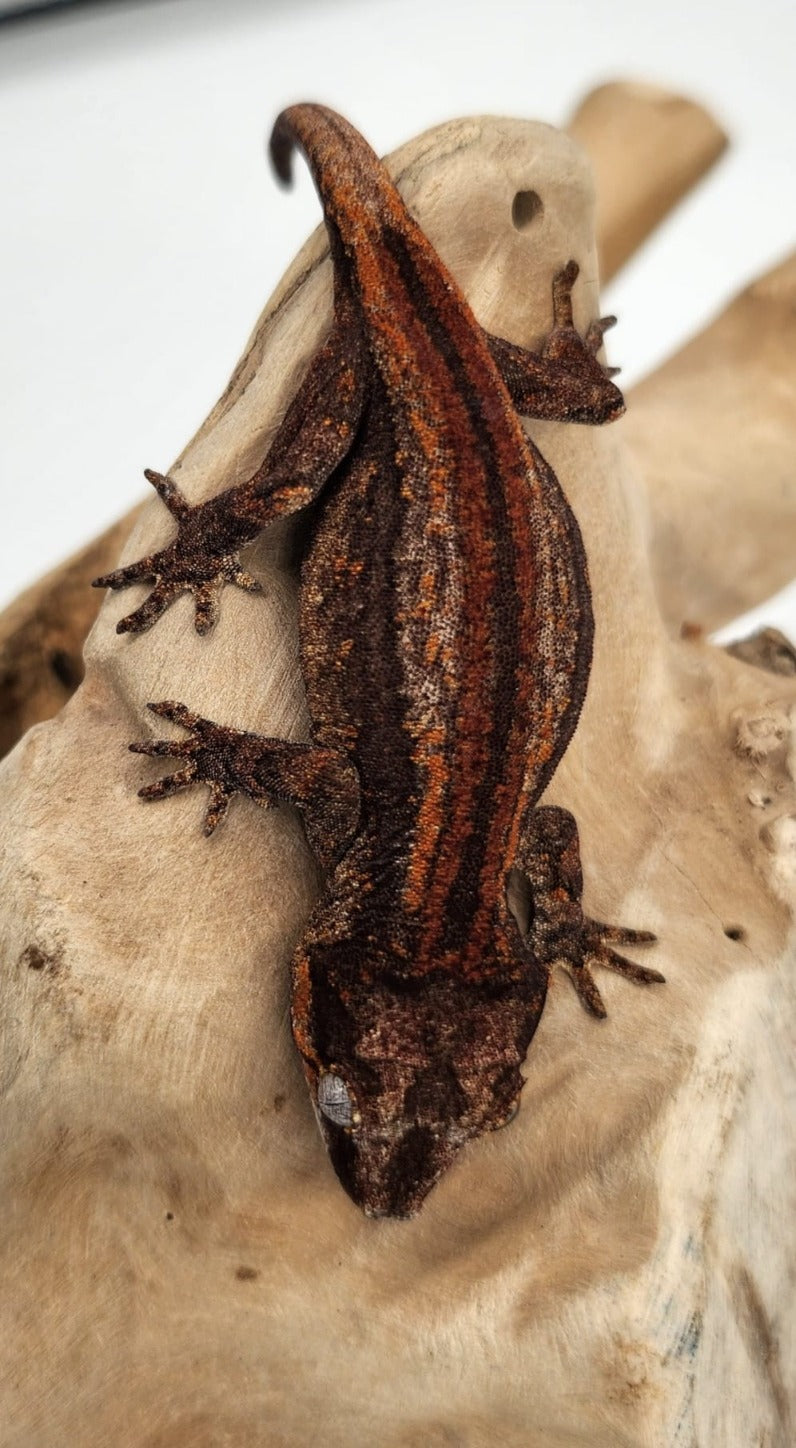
x,y
315,435
322,783
202,559
559,933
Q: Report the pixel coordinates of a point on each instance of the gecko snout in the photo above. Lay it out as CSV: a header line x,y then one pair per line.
x,y
390,1175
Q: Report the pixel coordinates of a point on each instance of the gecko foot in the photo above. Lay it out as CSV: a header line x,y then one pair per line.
x,y
225,759
592,947
565,344
202,560
560,933
321,782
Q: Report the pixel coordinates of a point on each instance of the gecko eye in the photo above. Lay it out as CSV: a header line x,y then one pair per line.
x,y
334,1100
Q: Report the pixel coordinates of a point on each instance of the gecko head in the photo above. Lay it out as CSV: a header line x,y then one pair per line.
x,y
410,1070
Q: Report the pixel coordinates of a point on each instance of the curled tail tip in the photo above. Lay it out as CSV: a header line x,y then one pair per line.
x,y
297,126
280,154
282,143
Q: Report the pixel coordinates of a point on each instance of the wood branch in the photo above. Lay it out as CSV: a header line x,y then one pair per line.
x,y
649,147
714,433
767,649
42,635
179,1263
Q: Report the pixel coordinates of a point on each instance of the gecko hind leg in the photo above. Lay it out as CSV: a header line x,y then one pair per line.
x,y
322,783
559,931
564,343
565,382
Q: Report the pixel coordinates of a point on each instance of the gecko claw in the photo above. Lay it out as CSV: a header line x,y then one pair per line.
x,y
594,341
602,401
560,933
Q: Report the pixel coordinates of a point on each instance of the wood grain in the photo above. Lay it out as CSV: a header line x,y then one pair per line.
x,y
179,1264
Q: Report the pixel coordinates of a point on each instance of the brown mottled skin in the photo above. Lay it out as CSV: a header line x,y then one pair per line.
x,y
446,639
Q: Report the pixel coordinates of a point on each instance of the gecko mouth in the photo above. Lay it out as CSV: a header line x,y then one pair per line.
x,y
388,1175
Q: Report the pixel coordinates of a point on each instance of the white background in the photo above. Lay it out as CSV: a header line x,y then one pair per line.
x,y
142,233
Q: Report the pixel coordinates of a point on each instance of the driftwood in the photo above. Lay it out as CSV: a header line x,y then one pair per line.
x,y
42,634
179,1263
714,432
647,147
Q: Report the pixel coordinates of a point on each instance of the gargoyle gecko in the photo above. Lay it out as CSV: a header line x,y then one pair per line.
x,y
446,640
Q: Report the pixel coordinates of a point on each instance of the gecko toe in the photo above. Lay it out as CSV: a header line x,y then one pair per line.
x,y
179,748
206,607
142,619
142,572
175,712
217,808
624,935
172,784
586,989
169,493
620,965
246,581
597,330
563,282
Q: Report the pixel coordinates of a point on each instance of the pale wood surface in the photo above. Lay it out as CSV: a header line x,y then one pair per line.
x,y
648,147
179,1264
714,433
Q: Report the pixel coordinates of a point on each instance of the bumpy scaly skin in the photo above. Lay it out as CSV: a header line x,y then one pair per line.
x,y
446,637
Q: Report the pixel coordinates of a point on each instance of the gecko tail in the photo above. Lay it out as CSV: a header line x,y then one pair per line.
x,y
341,163
280,150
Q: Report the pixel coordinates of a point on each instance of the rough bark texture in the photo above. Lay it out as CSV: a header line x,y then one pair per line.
x,y
179,1263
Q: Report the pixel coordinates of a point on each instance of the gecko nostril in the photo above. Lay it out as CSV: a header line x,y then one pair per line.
x,y
525,208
